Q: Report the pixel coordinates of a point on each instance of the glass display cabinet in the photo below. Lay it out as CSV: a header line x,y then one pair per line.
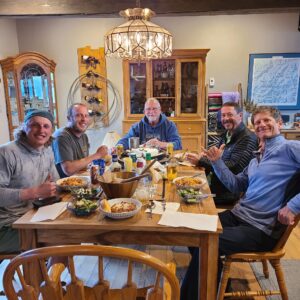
x,y
178,83
29,82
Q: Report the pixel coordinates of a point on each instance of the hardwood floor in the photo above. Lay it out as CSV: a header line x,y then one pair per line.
x,y
181,257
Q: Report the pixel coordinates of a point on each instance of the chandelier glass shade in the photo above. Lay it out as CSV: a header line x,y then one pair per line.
x,y
138,38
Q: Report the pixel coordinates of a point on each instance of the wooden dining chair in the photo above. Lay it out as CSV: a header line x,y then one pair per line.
x,y
273,257
4,256
165,285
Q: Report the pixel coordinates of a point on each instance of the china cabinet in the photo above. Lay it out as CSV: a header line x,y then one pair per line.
x,y
29,83
178,83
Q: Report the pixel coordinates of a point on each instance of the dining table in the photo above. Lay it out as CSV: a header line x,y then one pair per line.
x,y
141,229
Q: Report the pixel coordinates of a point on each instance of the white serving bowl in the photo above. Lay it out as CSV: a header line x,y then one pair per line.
x,y
121,215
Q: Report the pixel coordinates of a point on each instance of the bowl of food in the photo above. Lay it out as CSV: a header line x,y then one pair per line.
x,y
187,182
120,208
86,193
118,189
190,195
82,207
73,182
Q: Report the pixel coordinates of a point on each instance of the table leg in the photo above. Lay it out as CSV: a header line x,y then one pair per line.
x,y
208,267
32,273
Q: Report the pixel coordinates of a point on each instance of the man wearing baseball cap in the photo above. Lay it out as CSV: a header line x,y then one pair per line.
x,y
27,172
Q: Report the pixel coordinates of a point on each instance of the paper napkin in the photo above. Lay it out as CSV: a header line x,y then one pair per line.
x,y
189,220
49,212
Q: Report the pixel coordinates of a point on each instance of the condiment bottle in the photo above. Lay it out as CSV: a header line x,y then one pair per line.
x,y
134,161
170,149
115,166
120,150
140,164
101,166
172,169
127,164
148,158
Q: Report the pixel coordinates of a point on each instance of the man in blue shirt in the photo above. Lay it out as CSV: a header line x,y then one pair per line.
x,y
154,130
255,222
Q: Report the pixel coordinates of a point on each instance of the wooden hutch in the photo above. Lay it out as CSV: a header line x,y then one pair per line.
x,y
29,83
178,82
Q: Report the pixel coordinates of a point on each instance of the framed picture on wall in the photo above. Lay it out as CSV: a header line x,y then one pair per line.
x,y
274,80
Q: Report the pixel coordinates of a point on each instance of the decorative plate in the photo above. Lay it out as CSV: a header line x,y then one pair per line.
x,y
122,215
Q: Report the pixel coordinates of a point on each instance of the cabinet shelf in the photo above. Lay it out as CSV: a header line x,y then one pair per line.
x,y
167,79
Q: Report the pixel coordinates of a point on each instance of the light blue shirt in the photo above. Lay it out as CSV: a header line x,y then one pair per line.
x,y
264,183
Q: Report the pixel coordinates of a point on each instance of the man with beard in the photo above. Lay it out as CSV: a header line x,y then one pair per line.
x,y
271,198
154,130
239,143
71,145
27,172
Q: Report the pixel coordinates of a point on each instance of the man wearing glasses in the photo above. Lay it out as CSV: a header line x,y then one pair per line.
x,y
154,130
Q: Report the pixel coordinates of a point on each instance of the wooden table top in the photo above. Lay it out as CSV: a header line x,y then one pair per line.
x,y
140,222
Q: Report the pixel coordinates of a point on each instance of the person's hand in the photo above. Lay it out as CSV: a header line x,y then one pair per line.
x,y
102,151
153,143
46,189
286,216
214,153
192,158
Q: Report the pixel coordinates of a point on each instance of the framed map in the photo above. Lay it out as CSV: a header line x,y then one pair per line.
x,y
274,79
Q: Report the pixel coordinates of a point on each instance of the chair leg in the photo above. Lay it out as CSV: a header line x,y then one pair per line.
x,y
280,278
265,268
224,279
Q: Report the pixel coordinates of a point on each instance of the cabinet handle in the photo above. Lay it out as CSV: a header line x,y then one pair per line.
x,y
189,128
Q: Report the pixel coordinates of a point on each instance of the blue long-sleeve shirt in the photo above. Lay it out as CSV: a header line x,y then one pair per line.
x,y
164,131
264,183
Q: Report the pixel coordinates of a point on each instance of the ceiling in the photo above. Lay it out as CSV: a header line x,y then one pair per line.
x,y
111,8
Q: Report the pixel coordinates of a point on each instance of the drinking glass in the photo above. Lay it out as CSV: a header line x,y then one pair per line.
x,y
142,192
172,170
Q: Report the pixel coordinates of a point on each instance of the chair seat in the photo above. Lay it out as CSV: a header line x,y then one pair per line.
x,y
257,255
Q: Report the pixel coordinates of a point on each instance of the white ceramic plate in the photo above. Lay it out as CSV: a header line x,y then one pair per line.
x,y
185,186
68,187
123,215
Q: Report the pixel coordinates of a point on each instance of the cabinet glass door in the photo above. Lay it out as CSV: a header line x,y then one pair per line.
x,y
15,121
189,82
138,87
163,78
34,87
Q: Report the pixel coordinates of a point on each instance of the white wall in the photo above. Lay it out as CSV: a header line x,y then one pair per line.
x,y
230,37
8,47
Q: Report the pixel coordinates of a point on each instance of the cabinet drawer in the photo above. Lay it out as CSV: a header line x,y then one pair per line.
x,y
292,136
188,128
192,143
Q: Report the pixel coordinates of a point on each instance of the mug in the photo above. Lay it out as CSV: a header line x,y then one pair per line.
x,y
134,142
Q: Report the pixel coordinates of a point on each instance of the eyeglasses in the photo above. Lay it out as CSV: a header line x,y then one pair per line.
x,y
152,109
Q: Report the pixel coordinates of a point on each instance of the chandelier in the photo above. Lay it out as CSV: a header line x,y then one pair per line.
x,y
138,38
